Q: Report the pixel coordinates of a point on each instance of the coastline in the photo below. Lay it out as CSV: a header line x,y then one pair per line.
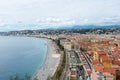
x,y
51,62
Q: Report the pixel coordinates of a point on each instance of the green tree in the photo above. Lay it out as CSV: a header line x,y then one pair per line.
x,y
16,77
35,78
27,77
11,78
48,78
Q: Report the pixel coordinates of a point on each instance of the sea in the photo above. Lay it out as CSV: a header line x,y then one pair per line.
x,y
21,56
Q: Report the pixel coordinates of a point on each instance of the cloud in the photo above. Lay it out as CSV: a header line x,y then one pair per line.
x,y
59,12
52,21
30,10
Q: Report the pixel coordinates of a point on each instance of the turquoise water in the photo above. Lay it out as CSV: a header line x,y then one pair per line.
x,y
21,55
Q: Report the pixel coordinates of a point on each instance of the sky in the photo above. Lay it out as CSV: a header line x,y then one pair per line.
x,y
59,12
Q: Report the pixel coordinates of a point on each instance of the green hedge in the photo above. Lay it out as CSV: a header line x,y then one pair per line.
x,y
59,71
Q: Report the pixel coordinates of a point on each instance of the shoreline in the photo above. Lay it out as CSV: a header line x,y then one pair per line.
x,y
50,63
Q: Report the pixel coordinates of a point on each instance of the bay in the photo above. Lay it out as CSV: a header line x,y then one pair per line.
x,y
21,55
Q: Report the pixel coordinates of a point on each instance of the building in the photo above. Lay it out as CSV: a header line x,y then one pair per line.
x,y
68,45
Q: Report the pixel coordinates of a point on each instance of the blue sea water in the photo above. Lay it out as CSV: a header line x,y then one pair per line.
x,y
21,55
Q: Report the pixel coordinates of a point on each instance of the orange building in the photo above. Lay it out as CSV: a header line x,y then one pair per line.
x,y
107,62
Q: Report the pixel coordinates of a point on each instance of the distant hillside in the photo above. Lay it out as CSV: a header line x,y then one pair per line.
x,y
14,27
88,26
110,30
86,29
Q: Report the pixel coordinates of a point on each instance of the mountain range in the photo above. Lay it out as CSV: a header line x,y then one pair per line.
x,y
18,27
87,26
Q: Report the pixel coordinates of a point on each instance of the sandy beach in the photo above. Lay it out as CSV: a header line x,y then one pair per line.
x,y
50,65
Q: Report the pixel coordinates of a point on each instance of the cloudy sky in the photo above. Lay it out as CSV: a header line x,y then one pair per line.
x,y
59,12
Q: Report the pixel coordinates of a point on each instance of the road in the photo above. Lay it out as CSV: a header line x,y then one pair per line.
x,y
65,73
80,68
81,62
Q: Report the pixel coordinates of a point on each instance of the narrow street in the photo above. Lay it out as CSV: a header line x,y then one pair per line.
x,y
79,63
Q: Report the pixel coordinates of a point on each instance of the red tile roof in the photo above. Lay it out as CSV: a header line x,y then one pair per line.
x,y
106,59
109,70
99,68
117,62
116,49
95,62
